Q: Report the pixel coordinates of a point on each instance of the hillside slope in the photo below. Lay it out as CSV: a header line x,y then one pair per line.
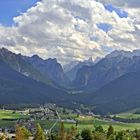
x,y
17,88
119,95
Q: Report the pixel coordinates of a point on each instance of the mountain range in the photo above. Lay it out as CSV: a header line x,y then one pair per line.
x,y
17,88
71,73
107,69
111,82
16,62
50,68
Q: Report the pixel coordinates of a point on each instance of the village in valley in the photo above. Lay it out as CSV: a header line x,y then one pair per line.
x,y
50,117
31,116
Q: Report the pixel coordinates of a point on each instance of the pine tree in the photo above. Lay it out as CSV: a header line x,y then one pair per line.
x,y
99,136
39,133
61,135
86,134
22,133
99,129
19,133
110,131
73,132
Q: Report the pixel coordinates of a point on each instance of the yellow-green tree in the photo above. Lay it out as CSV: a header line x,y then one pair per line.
x,y
73,131
26,132
2,137
62,135
39,133
22,133
99,136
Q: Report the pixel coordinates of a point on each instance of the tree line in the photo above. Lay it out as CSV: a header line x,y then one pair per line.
x,y
98,133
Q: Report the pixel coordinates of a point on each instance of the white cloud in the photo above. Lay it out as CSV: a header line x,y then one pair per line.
x,y
62,29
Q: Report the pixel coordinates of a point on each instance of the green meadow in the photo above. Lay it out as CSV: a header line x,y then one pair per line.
x,y
83,121
129,115
9,114
90,122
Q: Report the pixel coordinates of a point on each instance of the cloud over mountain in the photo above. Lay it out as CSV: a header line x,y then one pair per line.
x,y
71,30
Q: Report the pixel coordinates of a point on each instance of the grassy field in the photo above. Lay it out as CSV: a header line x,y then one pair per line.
x,y
90,122
128,115
8,114
6,124
83,122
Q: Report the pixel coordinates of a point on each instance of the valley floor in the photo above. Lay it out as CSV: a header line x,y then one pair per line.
x,y
8,120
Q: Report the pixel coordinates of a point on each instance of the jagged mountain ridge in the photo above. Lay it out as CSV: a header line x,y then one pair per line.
x,y
49,67
71,73
16,62
107,69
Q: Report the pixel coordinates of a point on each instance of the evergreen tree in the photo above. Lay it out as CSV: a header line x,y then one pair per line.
x,y
73,132
99,129
26,132
19,133
78,137
61,135
110,131
86,134
99,136
39,133
52,136
112,137
137,134
123,135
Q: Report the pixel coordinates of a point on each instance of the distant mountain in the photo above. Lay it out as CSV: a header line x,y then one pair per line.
x,y
73,71
107,69
110,85
49,67
120,95
123,53
16,62
69,66
17,88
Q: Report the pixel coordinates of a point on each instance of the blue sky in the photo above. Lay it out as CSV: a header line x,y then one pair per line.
x,y
120,12
12,8
104,26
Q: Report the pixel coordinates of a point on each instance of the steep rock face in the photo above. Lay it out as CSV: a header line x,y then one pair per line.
x,y
107,69
73,72
69,66
16,62
49,67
